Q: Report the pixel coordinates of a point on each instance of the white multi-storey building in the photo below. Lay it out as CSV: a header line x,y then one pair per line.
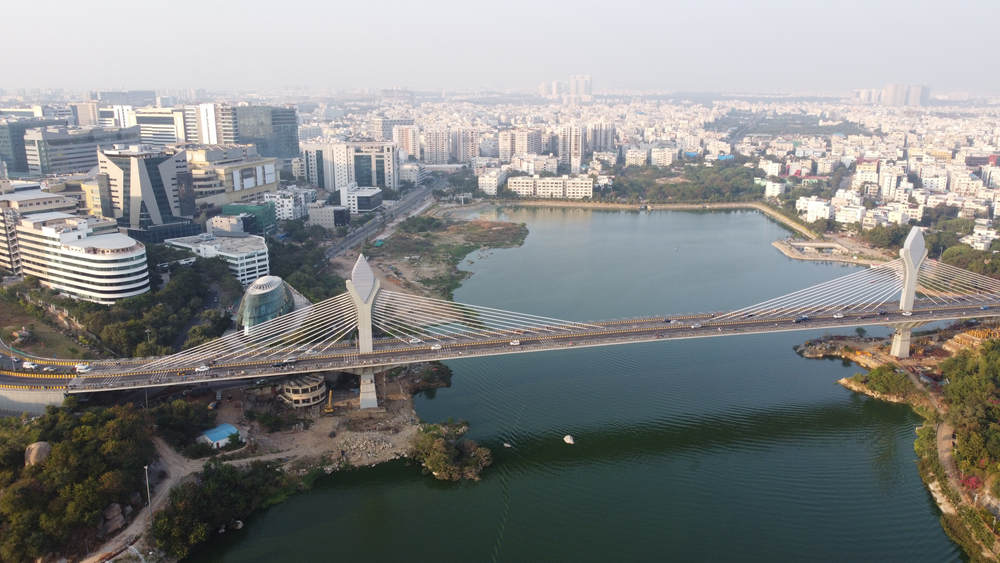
x,y
437,146
413,172
849,214
518,141
572,144
332,166
465,144
245,254
65,254
558,187
636,157
407,139
491,180
662,156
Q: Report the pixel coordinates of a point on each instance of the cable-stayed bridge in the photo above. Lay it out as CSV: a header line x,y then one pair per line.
x,y
368,329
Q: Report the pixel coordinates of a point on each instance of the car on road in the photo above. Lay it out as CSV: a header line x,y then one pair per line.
x,y
29,365
202,369
801,319
515,342
83,370
260,382
436,347
838,316
289,361
907,313
696,325
985,307
880,312
311,351
48,368
78,366
414,341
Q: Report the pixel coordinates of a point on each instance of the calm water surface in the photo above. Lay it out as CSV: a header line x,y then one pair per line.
x,y
723,449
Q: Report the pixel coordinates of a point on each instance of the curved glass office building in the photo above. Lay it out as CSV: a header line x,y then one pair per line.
x,y
267,298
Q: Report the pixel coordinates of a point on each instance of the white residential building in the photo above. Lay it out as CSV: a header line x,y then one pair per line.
x,y
567,187
491,180
572,140
413,172
407,139
518,141
770,168
662,156
437,146
849,214
245,254
636,157
774,189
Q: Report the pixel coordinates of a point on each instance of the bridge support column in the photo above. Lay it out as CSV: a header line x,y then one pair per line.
x,y
901,338
901,343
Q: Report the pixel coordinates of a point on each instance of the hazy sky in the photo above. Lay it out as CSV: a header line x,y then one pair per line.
x,y
634,44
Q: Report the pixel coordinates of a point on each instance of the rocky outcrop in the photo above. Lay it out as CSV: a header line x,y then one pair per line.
x,y
36,453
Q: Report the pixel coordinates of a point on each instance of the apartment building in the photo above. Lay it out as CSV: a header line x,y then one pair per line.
x,y
565,187
491,180
437,146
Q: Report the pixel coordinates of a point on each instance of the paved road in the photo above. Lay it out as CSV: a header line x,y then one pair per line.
x,y
408,203
107,376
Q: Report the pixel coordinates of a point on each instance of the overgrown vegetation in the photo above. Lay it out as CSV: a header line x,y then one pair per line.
x,y
222,494
97,459
302,262
886,380
165,314
974,393
724,181
180,423
441,451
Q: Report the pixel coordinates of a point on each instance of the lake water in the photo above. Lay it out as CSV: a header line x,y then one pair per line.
x,y
721,449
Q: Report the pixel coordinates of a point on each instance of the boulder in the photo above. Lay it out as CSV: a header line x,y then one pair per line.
x,y
128,511
36,453
135,499
112,511
111,525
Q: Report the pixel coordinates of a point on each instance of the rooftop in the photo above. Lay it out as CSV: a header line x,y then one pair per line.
x,y
26,195
228,245
110,241
220,432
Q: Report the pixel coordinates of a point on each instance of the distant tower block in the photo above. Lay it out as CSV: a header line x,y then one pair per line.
x,y
363,287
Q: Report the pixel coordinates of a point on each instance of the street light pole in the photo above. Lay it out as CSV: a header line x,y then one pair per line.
x,y
149,499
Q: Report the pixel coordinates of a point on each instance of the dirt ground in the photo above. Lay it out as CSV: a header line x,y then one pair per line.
x,y
48,341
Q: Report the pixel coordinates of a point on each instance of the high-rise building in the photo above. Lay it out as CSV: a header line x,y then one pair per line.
x,y
465,144
519,141
274,129
332,166
380,128
12,130
147,191
69,150
580,90
601,137
159,126
407,139
437,143
223,174
899,95
572,143
85,113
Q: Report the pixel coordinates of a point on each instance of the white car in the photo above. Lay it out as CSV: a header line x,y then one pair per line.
x,y
29,365
515,342
696,325
311,351
907,313
838,316
83,370
48,368
436,347
82,366
414,341
202,369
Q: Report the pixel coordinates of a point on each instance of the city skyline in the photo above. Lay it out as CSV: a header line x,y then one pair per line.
x,y
677,47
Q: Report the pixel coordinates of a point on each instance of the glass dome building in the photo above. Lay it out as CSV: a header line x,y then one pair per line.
x,y
267,298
